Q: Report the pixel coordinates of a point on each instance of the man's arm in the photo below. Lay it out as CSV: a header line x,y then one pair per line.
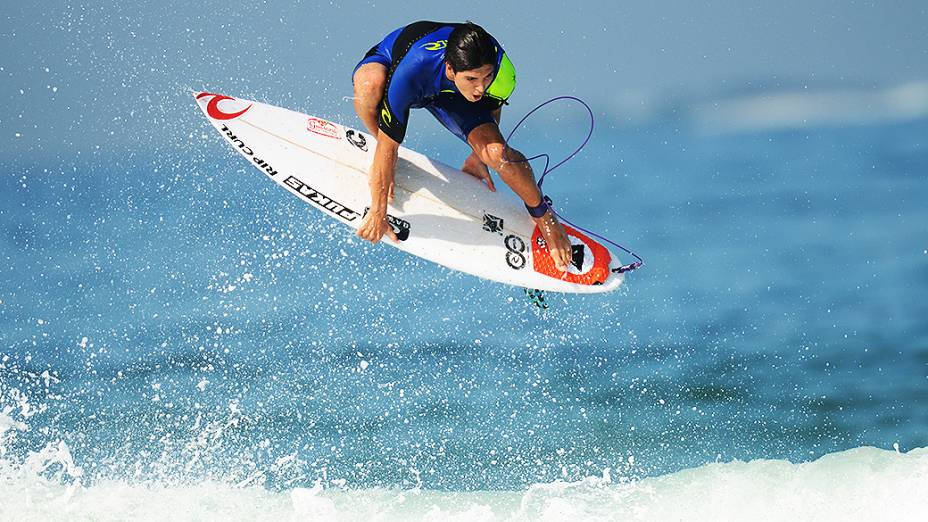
x,y
392,119
375,224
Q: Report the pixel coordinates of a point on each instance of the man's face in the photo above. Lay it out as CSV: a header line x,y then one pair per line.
x,y
473,83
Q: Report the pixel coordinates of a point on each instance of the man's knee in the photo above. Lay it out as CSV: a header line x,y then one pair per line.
x,y
496,155
369,81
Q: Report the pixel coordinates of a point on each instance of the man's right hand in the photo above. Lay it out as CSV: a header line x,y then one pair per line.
x,y
556,240
375,226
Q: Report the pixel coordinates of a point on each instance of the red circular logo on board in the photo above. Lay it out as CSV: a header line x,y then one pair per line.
x,y
589,260
322,127
212,108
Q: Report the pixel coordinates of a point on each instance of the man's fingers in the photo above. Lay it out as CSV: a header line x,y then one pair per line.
x,y
366,233
367,236
561,258
558,257
566,256
391,234
390,193
374,232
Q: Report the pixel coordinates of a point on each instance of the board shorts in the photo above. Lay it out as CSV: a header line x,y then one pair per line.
x,y
379,53
452,110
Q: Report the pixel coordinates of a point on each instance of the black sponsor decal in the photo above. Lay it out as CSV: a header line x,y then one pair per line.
x,y
400,226
493,224
321,200
357,139
515,252
577,253
238,142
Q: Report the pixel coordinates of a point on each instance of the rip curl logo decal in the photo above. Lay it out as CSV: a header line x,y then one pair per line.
x,y
436,45
212,108
385,116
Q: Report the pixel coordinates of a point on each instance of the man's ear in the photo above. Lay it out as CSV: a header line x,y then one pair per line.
x,y
449,72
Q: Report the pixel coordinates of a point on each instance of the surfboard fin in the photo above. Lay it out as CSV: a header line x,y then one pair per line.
x,y
537,297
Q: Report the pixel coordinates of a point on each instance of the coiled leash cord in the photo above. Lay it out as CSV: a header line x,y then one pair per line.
x,y
546,200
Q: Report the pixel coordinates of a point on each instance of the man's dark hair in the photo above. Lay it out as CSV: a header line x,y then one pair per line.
x,y
470,47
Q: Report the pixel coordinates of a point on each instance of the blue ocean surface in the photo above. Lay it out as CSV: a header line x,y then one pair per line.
x,y
181,338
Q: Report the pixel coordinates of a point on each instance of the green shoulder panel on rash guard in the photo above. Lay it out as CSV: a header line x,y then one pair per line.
x,y
505,81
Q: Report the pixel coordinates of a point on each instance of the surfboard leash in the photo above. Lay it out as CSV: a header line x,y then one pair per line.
x,y
620,270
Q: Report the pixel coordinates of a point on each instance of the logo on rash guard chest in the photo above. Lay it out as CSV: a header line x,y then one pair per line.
x,y
212,108
322,127
435,46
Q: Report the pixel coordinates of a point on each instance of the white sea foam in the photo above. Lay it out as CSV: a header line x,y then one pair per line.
x,y
858,484
802,108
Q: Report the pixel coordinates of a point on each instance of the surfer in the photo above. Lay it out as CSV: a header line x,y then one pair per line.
x,y
460,74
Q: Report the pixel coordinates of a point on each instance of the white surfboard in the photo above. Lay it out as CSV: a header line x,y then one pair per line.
x,y
439,213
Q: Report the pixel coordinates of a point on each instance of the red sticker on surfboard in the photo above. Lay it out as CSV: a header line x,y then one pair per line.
x,y
322,127
212,107
589,260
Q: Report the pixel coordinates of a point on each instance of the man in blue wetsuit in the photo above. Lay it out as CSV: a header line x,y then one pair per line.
x,y
460,74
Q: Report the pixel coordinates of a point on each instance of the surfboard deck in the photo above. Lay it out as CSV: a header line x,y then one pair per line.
x,y
439,212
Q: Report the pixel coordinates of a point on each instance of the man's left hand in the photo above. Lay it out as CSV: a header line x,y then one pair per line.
x,y
476,168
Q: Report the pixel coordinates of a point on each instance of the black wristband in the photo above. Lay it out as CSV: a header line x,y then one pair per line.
x,y
539,210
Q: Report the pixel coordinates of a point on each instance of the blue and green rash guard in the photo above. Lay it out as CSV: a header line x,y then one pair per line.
x,y
414,56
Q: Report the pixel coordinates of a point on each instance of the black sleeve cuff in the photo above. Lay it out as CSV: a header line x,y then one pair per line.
x,y
390,124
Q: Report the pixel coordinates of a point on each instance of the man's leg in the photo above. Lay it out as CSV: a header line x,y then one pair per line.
x,y
491,148
493,151
369,81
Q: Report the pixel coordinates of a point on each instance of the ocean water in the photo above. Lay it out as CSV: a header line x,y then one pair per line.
x,y
180,339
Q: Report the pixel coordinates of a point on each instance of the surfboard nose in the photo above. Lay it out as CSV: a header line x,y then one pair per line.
x,y
213,110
